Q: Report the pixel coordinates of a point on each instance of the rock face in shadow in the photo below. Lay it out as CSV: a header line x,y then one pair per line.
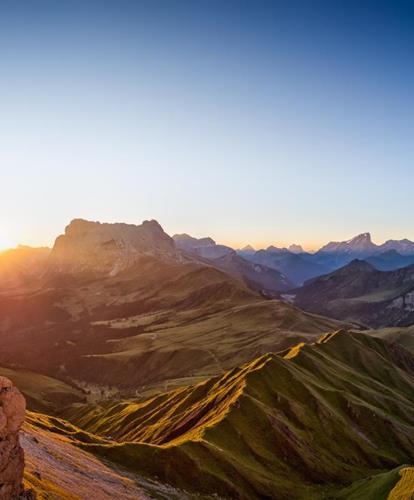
x,y
12,413
110,248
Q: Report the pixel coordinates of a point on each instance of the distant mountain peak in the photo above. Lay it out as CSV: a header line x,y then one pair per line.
x,y
360,244
294,248
247,248
272,248
403,241
404,247
363,238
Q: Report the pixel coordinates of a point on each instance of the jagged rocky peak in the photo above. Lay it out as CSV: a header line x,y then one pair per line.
x,y
358,244
109,245
361,240
12,414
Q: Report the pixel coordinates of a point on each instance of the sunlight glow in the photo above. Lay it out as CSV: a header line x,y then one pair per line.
x,y
6,243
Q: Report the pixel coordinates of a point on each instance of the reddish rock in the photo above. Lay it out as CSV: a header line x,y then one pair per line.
x,y
12,412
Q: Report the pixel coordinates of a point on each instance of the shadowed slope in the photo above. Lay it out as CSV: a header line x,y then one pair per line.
x,y
156,321
360,293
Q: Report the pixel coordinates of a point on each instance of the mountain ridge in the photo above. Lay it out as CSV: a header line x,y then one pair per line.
x,y
255,431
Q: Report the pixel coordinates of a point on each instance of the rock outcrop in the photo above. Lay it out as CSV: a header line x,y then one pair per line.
x,y
12,413
110,248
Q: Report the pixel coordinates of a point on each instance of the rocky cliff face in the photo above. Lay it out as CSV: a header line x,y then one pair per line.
x,y
12,412
110,248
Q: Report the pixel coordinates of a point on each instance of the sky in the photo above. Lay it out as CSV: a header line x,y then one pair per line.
x,y
260,122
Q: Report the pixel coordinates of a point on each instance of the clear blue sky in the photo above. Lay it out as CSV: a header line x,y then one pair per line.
x,y
253,122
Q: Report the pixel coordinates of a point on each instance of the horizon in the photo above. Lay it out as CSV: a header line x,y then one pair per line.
x,y
235,246
257,123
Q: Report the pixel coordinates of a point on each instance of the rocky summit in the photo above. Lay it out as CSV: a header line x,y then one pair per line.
x,y
88,245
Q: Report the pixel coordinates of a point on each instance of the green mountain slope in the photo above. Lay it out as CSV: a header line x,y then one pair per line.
x,y
360,293
375,487
301,424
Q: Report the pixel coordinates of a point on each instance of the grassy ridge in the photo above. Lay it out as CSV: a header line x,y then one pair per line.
x,y
396,484
301,424
375,487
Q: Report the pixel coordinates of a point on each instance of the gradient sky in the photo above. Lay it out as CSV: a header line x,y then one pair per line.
x,y
252,122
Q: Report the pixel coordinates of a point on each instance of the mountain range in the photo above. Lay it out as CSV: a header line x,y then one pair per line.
x,y
166,367
359,292
363,245
121,307
301,266
257,275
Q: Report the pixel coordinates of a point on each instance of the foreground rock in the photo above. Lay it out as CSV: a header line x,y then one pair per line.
x,y
12,412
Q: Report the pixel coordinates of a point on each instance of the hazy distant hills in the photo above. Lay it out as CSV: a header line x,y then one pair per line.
x,y
257,275
390,260
299,266
359,292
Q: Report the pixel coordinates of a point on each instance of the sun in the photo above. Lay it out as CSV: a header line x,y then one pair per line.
x,y
6,243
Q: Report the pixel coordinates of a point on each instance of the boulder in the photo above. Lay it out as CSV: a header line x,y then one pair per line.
x,y
12,413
